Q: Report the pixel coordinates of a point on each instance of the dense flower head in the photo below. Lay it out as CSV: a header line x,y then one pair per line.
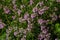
x,y
41,21
19,12
41,3
45,8
13,17
15,33
6,10
43,27
2,25
33,15
31,2
21,19
26,16
14,7
35,9
41,11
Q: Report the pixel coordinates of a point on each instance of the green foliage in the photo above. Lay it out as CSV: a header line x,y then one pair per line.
x,y
3,37
57,29
29,36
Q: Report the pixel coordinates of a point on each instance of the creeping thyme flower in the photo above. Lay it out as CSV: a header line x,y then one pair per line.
x,y
19,12
54,16
35,9
44,31
26,16
56,39
6,10
41,36
31,2
21,19
15,33
14,7
44,35
45,8
41,11
57,0
33,15
43,27
2,25
13,17
41,21
41,3
23,38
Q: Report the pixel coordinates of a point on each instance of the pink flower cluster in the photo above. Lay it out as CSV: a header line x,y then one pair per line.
x,y
44,35
6,10
40,11
41,21
2,25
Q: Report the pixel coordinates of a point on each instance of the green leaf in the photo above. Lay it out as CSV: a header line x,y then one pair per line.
x,y
29,36
3,37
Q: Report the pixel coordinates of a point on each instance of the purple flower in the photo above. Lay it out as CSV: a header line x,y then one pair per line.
x,y
2,25
45,38
23,38
35,9
41,3
56,39
48,35
45,8
14,6
21,20
33,15
41,36
13,17
26,15
44,35
29,22
41,11
15,33
31,2
19,12
44,31
54,16
43,27
41,21
7,31
6,10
